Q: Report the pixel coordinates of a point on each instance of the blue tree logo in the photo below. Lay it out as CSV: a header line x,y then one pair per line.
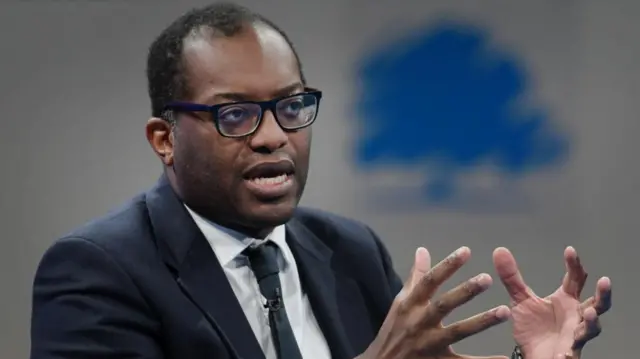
x,y
446,100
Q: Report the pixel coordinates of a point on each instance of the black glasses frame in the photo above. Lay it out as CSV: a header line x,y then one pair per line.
x,y
269,105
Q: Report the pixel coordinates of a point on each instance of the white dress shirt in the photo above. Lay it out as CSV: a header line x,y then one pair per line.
x,y
228,246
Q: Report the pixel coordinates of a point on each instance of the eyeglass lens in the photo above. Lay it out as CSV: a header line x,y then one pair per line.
x,y
291,113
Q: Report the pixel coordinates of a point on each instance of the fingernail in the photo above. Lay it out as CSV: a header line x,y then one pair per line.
x,y
503,313
460,250
482,280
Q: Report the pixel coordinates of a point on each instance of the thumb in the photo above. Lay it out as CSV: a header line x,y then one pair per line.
x,y
421,266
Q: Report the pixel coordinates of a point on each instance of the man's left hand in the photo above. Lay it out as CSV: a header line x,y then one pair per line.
x,y
558,325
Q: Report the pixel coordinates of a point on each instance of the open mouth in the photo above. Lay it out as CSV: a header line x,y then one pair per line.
x,y
270,181
270,178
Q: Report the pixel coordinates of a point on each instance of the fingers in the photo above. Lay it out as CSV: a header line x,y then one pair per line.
x,y
576,277
603,296
601,302
427,285
590,310
507,270
587,330
415,320
457,331
441,307
421,266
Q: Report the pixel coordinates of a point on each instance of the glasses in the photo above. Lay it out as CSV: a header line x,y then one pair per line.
x,y
239,119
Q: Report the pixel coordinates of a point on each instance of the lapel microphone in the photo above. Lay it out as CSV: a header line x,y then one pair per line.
x,y
274,305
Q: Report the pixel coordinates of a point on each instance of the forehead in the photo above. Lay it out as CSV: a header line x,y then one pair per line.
x,y
256,62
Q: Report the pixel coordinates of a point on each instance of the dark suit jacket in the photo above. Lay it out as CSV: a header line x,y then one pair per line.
x,y
143,282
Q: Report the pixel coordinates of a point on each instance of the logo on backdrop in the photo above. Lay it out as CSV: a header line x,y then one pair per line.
x,y
445,113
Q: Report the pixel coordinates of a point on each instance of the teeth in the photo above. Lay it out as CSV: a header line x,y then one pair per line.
x,y
271,180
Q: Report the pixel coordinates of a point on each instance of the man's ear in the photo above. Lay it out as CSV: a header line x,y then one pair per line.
x,y
160,136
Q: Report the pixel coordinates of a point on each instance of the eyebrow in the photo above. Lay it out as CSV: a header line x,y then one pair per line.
x,y
235,96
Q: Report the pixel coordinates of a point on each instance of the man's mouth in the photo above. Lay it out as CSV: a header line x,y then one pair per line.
x,y
270,179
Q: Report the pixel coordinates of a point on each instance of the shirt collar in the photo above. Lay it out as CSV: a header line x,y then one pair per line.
x,y
228,244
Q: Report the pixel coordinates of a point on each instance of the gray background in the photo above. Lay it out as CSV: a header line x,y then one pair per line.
x,y
73,101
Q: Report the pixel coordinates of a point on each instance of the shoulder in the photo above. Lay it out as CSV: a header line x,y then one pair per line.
x,y
88,288
321,222
123,233
125,218
339,232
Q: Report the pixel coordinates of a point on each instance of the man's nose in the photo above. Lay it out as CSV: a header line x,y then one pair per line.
x,y
269,137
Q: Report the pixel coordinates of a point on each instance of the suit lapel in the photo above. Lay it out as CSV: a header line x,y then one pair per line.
x,y
322,286
197,270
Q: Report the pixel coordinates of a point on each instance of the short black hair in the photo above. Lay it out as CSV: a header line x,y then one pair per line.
x,y
165,72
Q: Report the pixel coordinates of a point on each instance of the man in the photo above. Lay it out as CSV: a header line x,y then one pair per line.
x,y
216,261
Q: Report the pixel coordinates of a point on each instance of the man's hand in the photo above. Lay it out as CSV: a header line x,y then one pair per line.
x,y
413,328
558,325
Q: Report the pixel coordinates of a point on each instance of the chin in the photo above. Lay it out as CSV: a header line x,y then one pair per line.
x,y
274,215
265,214
267,207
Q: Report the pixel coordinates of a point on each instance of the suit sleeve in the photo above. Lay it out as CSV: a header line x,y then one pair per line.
x,y
86,306
395,283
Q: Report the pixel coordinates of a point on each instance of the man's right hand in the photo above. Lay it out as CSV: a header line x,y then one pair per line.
x,y
413,328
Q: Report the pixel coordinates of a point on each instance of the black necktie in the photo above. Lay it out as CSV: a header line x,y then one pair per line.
x,y
264,263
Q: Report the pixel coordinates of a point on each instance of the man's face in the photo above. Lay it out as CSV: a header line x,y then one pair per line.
x,y
238,182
